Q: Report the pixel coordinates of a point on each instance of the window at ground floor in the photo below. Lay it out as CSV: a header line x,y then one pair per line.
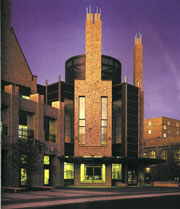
x,y
23,176
46,177
92,173
117,171
132,176
68,170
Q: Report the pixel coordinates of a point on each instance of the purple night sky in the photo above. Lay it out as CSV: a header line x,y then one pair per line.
x,y
51,31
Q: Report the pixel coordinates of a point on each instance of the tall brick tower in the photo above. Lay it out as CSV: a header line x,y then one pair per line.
x,y
138,62
93,101
138,81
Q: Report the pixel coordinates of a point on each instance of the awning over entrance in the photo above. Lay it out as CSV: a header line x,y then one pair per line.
x,y
110,160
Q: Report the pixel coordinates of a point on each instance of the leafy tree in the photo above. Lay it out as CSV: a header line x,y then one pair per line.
x,y
28,153
167,171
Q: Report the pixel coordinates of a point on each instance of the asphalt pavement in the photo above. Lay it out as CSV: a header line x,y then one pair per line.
x,y
92,198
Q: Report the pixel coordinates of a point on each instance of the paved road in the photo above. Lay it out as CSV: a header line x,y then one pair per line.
x,y
81,198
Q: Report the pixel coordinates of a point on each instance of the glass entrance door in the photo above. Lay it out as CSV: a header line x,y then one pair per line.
x,y
132,176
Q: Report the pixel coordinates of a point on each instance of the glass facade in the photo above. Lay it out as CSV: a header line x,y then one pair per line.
x,y
92,173
104,120
69,121
75,69
82,111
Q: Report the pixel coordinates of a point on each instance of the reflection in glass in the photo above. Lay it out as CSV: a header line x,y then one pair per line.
x,y
104,112
82,104
117,171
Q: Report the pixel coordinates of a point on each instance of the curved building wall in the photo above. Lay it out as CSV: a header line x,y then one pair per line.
x,y
75,69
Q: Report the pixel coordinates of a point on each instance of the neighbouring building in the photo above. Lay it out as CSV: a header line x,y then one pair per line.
x,y
91,124
161,127
162,140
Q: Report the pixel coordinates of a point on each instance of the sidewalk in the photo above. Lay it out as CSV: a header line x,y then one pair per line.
x,y
67,196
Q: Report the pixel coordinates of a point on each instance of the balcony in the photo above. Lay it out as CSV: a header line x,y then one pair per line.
x,y
49,137
25,133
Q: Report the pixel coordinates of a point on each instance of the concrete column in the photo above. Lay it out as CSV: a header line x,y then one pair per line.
x,y
39,118
13,91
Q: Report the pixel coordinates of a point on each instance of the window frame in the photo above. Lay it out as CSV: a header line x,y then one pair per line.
x,y
104,121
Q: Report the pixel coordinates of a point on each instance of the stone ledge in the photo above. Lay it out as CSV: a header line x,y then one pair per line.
x,y
13,189
165,184
120,184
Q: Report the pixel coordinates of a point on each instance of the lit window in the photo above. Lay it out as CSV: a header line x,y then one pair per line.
x,y
93,173
149,123
46,160
68,170
23,131
152,154
145,155
147,170
164,154
177,124
117,171
23,176
23,159
177,156
177,133
164,126
46,176
164,135
82,110
25,97
47,165
168,123
149,131
104,111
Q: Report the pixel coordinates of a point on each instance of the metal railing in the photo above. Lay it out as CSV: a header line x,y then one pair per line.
x,y
25,133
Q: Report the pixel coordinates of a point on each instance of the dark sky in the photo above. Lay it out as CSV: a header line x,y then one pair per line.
x,y
51,31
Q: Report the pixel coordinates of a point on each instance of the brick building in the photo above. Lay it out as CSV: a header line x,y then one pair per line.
x,y
91,124
159,134
162,140
162,127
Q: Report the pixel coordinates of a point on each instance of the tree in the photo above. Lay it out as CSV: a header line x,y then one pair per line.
x,y
27,153
168,171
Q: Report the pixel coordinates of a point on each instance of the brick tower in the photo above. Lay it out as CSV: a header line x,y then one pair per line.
x,y
93,101
138,81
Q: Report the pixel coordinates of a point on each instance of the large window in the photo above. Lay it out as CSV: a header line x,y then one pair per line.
x,y
117,171
68,170
104,122
93,173
82,116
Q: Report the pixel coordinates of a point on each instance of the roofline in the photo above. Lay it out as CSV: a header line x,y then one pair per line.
x,y
12,31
